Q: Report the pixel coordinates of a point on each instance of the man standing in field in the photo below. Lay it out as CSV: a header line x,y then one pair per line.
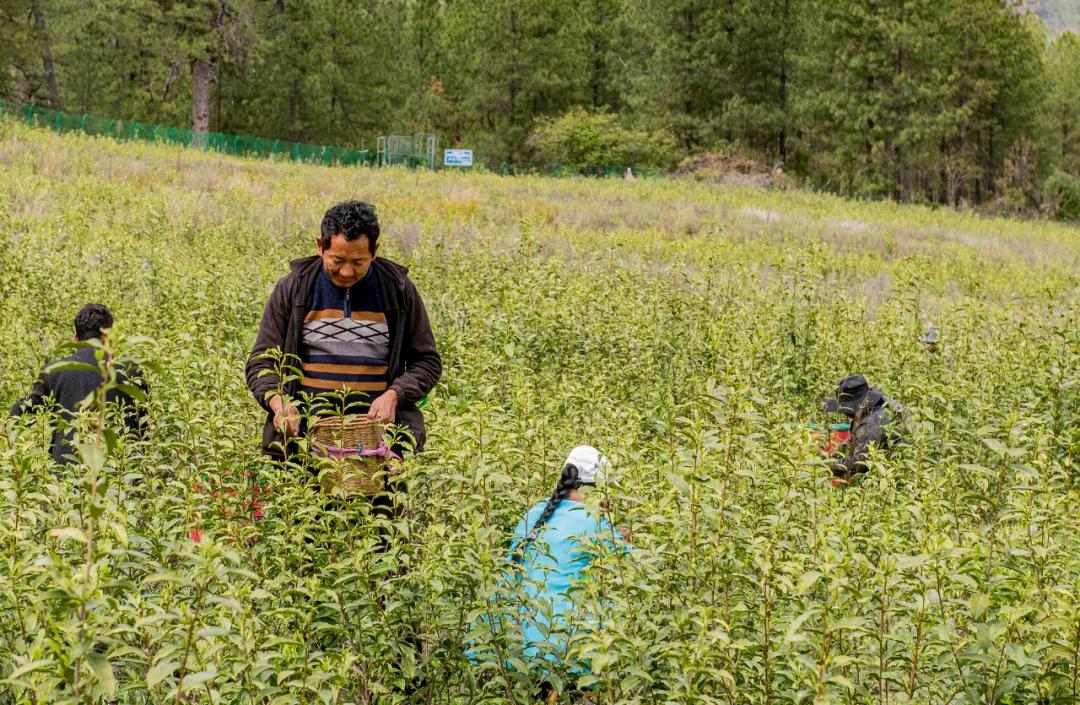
x,y
71,388
355,326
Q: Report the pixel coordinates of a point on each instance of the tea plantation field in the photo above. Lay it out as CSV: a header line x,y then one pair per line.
x,y
687,330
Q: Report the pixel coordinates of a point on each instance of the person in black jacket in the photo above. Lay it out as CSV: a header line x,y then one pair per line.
x,y
355,326
876,421
72,389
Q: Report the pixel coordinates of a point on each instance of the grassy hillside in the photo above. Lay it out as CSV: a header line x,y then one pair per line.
x,y
688,331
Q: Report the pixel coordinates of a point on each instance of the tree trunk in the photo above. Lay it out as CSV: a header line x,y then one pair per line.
x,y
782,146
294,111
512,84
218,116
689,26
46,58
203,72
598,67
899,192
729,25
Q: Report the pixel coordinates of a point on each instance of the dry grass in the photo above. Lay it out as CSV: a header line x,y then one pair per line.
x,y
674,218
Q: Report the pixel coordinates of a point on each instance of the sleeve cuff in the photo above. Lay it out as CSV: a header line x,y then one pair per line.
x,y
402,399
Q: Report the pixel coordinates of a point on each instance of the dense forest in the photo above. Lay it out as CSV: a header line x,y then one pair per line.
x,y
959,102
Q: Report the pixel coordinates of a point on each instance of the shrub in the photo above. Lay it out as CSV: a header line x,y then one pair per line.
x,y
584,138
1061,196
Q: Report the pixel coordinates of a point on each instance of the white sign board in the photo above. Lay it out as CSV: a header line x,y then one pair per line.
x,y
457,157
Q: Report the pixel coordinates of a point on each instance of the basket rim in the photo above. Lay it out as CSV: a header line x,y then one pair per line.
x,y
348,420
341,431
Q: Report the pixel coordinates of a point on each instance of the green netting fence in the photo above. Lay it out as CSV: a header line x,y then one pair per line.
x,y
243,146
238,145
601,171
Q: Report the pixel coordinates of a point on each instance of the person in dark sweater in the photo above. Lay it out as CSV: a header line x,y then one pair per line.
x,y
71,389
876,421
355,326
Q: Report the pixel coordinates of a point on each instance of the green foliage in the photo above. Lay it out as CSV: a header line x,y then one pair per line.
x,y
310,49
509,61
1061,196
1064,74
17,50
584,138
913,100
688,330
682,75
920,100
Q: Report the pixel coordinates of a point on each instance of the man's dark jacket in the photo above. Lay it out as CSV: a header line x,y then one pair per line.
x,y
414,363
68,388
880,425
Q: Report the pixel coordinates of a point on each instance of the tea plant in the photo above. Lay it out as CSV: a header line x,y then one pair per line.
x,y
689,332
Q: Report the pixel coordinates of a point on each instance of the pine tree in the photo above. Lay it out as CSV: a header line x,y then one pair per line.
x,y
602,29
510,61
425,106
765,46
680,77
1064,114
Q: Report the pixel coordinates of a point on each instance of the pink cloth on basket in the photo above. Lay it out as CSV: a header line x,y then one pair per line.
x,y
337,453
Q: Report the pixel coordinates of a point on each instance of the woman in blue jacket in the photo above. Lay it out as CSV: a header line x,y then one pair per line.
x,y
552,548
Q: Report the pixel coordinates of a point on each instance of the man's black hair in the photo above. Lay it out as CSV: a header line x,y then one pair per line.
x,y
351,219
90,321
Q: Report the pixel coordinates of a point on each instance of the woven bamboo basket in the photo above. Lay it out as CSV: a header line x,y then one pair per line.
x,y
348,432
352,476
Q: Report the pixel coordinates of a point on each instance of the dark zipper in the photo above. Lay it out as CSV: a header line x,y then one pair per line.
x,y
296,330
399,324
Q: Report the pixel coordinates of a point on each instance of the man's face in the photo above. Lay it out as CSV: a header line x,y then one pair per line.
x,y
346,261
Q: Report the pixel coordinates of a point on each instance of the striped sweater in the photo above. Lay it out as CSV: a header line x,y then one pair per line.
x,y
346,341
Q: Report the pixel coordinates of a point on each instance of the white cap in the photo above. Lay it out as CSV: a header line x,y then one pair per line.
x,y
591,465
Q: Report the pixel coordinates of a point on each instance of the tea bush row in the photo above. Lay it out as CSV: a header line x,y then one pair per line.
x,y
690,333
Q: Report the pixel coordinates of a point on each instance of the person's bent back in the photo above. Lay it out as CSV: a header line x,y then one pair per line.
x,y
551,549
876,421
68,389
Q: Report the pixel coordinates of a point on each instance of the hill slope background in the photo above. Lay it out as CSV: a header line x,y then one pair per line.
x,y
1059,15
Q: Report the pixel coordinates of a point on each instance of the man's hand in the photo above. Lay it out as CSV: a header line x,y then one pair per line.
x,y
286,416
384,408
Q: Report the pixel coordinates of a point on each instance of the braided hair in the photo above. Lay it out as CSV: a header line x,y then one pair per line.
x,y
568,482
